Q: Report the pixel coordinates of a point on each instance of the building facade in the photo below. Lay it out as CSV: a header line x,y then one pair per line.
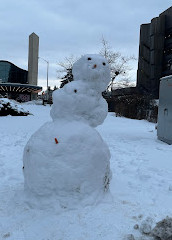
x,y
17,83
155,53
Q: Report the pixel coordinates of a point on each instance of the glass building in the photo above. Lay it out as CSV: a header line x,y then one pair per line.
x,y
14,82
9,73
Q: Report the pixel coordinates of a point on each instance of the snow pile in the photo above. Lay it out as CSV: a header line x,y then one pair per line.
x,y
11,107
163,229
67,159
145,230
146,226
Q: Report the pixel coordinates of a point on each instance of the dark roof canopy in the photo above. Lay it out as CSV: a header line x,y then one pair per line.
x,y
20,88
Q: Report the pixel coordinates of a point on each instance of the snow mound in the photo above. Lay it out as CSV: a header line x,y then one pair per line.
x,y
146,225
11,107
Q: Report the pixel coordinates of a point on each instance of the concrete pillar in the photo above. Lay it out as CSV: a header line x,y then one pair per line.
x,y
157,34
143,72
33,59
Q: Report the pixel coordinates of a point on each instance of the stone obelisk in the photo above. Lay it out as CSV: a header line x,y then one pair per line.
x,y
33,59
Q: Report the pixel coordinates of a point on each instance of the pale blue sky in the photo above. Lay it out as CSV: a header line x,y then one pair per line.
x,y
75,27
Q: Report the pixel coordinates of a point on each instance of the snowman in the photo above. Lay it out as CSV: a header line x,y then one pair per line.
x,y
67,158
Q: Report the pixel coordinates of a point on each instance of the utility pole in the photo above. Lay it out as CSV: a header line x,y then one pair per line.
x,y
47,75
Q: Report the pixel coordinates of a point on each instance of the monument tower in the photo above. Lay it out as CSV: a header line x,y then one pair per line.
x,y
33,59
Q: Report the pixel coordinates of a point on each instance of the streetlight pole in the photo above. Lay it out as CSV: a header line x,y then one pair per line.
x,y
47,72
47,78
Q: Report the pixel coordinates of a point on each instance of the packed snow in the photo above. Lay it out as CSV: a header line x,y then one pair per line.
x,y
141,186
66,161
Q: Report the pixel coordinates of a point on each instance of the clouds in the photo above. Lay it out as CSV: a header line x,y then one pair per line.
x,y
72,27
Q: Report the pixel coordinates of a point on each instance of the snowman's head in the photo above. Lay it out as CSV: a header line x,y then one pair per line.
x,y
92,69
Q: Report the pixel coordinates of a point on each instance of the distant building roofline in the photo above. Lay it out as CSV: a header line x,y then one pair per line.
x,y
12,64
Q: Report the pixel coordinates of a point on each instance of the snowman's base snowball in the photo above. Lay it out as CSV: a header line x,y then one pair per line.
x,y
77,166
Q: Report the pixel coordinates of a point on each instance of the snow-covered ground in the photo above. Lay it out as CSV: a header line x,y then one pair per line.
x,y
141,186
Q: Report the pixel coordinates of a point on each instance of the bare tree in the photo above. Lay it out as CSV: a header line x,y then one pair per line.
x,y
65,70
119,65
